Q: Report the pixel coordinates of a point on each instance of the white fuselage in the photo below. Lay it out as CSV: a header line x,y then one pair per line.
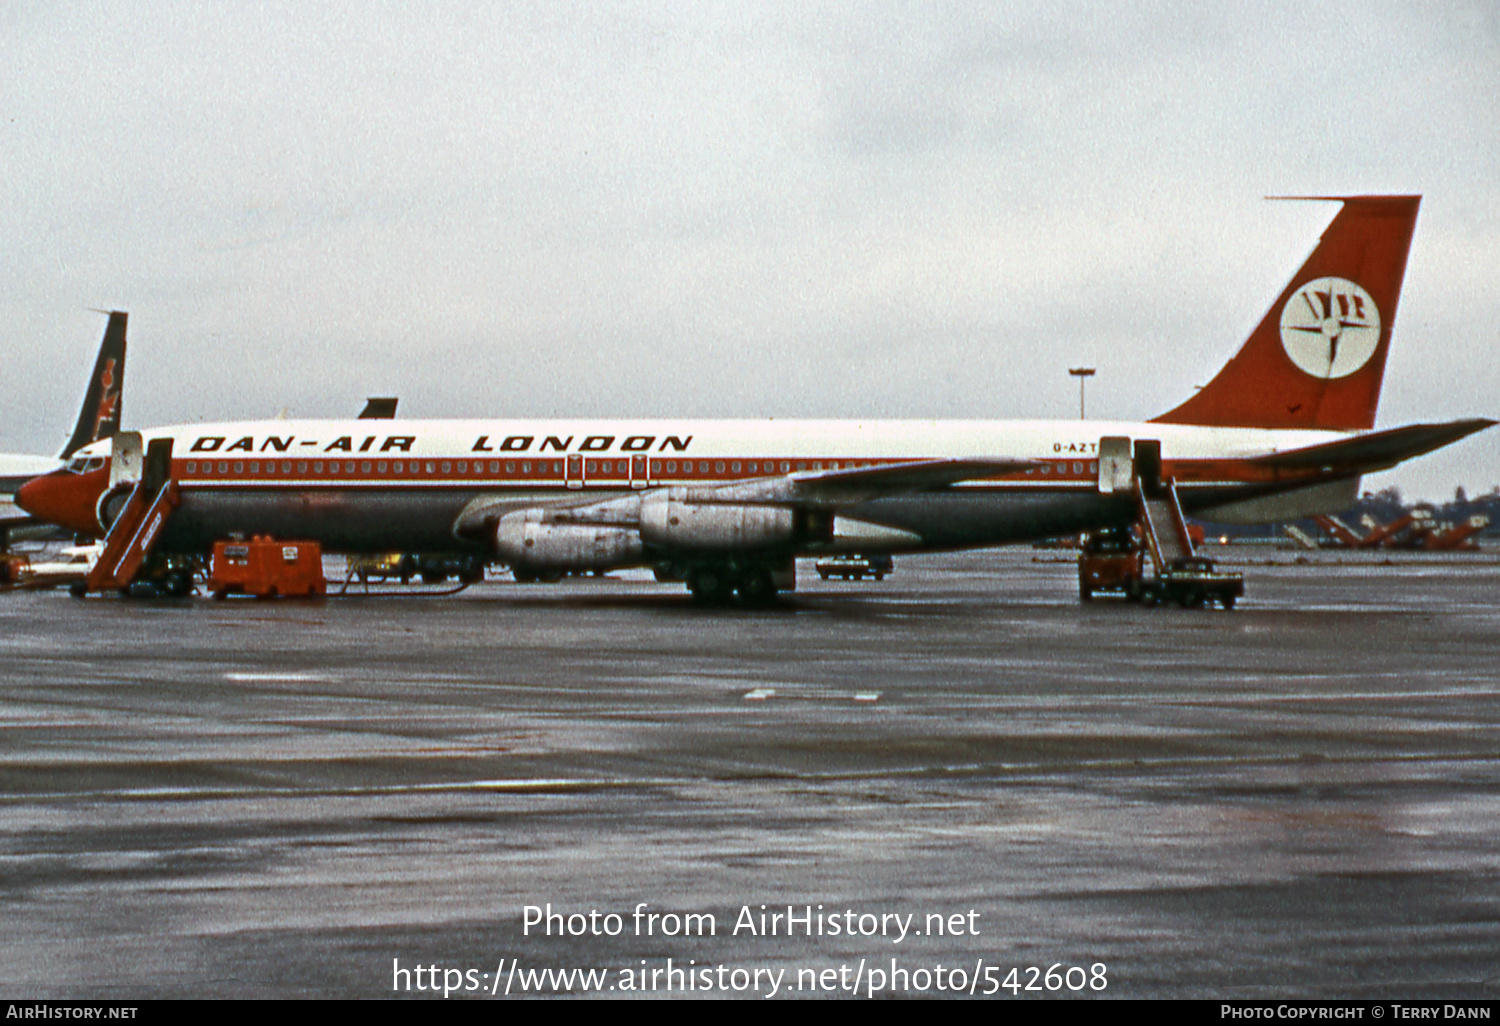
x,y
391,485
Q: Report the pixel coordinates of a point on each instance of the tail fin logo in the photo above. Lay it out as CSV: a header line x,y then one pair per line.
x,y
108,414
1330,328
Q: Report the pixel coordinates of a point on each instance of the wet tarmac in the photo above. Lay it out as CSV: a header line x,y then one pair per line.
x,y
1298,798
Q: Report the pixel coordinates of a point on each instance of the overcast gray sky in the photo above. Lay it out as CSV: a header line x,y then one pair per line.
x,y
840,210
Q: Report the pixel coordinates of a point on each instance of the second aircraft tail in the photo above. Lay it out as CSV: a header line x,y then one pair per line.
x,y
99,416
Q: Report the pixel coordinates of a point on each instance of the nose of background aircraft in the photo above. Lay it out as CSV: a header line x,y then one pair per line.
x,y
61,498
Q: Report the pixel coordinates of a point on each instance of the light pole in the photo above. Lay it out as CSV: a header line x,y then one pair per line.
x,y
1082,374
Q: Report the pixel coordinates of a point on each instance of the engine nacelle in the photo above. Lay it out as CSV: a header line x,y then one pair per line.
x,y
526,538
672,522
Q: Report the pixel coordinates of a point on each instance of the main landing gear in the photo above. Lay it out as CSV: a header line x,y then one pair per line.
x,y
753,585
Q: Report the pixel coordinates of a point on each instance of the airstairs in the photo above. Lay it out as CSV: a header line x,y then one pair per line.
x,y
1113,562
1162,524
137,528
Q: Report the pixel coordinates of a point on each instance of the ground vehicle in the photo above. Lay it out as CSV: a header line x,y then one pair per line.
x,y
435,569
1112,561
1192,582
855,567
267,568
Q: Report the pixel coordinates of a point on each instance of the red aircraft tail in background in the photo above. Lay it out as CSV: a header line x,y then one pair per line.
x,y
99,417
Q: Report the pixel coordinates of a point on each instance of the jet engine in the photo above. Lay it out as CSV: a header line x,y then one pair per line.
x,y
670,521
526,538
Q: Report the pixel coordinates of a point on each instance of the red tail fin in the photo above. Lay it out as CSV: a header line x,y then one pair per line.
x,y
1318,357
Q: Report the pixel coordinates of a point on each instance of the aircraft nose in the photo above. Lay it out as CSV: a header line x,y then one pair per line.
x,y
61,498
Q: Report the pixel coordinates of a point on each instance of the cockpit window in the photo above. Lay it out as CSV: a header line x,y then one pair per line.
x,y
76,466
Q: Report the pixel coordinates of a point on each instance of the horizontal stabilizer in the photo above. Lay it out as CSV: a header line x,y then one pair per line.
x,y
1376,450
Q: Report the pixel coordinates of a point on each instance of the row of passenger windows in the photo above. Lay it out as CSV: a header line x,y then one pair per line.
x,y
618,468
553,468
1062,468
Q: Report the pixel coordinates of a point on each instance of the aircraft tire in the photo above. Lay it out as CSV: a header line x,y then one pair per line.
x,y
177,584
756,589
711,586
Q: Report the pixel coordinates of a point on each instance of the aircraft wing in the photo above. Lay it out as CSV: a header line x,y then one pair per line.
x,y
806,489
828,489
1375,450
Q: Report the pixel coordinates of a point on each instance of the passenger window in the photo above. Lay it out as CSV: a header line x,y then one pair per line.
x,y
463,466
397,468
785,467
671,466
223,467
364,468
333,467
591,467
510,468
192,467
525,468
432,467
286,467
255,467
495,467
380,467
719,467
1078,468
318,467
302,467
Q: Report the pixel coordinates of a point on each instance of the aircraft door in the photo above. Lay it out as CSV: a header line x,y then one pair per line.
x,y
575,471
127,458
637,471
1148,463
1116,468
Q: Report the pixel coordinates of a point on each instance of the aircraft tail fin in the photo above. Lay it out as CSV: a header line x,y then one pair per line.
x,y
99,417
1317,358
